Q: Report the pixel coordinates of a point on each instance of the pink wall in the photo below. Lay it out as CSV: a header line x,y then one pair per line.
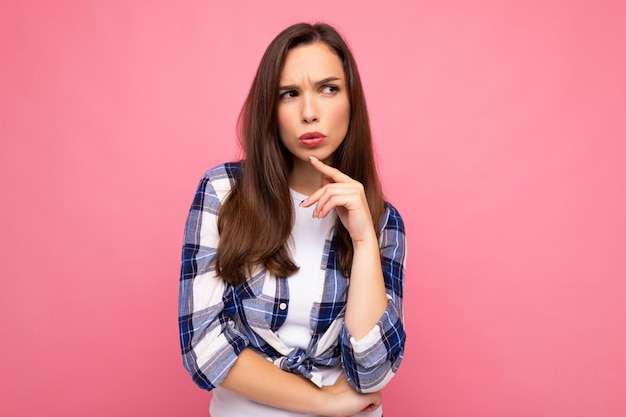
x,y
501,134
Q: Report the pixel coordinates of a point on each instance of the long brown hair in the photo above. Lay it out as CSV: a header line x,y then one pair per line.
x,y
256,218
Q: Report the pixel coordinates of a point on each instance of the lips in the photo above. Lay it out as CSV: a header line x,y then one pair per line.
x,y
312,139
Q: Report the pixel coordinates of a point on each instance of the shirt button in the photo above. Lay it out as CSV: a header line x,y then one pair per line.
x,y
282,306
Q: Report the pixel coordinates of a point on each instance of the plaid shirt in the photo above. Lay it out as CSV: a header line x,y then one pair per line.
x,y
217,320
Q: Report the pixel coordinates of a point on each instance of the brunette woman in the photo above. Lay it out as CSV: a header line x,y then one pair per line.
x,y
293,262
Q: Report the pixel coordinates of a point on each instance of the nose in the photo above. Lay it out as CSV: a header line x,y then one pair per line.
x,y
309,110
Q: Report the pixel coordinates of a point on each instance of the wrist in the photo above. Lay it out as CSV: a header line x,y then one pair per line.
x,y
369,240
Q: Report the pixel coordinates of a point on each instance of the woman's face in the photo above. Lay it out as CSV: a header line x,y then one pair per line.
x,y
314,108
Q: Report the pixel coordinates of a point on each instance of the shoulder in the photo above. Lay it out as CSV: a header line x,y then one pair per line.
x,y
214,185
220,179
229,171
392,218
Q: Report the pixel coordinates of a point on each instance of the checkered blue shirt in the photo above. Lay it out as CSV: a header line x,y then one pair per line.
x,y
217,320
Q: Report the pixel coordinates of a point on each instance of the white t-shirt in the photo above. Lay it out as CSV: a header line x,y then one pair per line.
x,y
308,237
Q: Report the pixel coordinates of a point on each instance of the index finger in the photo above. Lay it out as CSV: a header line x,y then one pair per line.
x,y
332,173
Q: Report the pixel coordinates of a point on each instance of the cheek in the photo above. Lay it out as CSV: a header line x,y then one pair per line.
x,y
283,120
342,114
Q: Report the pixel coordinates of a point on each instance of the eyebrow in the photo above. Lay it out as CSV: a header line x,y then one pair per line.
x,y
317,83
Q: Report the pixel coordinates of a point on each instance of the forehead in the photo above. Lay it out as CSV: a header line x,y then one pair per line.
x,y
314,61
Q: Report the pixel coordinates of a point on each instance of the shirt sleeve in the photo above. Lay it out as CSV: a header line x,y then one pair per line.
x,y
209,340
372,361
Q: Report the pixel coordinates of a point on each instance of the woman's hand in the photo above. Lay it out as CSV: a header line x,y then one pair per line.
x,y
347,197
343,400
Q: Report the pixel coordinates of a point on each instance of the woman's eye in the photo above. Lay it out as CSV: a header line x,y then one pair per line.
x,y
330,89
288,94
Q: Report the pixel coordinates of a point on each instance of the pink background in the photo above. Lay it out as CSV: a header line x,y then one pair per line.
x,y
500,129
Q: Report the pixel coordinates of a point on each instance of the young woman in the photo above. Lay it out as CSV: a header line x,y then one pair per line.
x,y
293,263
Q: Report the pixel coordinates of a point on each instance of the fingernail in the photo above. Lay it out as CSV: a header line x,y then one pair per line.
x,y
302,202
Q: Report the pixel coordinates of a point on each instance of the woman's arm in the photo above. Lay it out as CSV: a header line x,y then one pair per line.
x,y
367,299
373,337
371,361
209,340
257,379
